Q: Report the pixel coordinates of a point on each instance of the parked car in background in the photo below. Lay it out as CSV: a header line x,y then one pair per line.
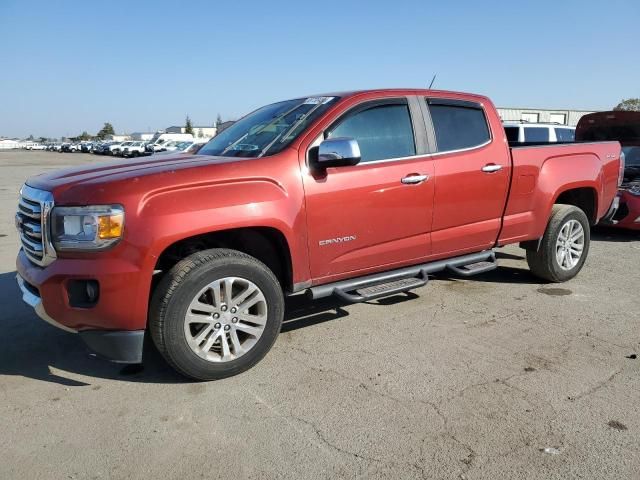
x,y
115,146
623,127
86,147
195,147
168,146
181,147
525,132
159,139
119,151
37,146
359,196
102,148
134,149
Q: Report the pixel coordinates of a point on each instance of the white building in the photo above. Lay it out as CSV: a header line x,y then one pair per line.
x,y
542,115
198,132
12,143
120,138
142,136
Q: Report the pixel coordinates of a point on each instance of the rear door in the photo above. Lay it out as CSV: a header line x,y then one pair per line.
x,y
376,214
472,170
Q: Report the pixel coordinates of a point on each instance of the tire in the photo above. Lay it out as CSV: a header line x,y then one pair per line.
x,y
178,340
545,263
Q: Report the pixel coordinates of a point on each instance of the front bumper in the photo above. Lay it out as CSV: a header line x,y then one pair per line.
x,y
114,327
31,298
124,346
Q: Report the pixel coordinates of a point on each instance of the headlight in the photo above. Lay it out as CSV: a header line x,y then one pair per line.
x,y
87,228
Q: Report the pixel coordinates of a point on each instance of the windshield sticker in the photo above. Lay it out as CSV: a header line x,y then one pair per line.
x,y
317,100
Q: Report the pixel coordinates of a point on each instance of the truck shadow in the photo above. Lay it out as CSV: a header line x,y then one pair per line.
x,y
30,347
608,234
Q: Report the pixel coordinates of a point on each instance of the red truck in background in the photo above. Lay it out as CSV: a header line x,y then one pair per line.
x,y
624,127
359,195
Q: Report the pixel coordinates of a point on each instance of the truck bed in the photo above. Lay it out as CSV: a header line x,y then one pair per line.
x,y
540,171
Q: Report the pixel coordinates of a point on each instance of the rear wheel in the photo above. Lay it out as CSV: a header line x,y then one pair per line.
x,y
216,314
564,247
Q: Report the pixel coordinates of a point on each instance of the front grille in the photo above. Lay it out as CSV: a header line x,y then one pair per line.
x,y
32,222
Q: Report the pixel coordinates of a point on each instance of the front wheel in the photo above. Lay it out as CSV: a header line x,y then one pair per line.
x,y
564,246
216,314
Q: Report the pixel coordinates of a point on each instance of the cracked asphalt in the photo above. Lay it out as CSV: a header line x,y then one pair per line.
x,y
494,377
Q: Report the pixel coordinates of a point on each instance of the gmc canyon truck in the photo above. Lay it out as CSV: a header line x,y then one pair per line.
x,y
358,195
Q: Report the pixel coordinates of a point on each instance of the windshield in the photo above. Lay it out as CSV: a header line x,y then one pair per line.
x,y
625,133
269,129
632,156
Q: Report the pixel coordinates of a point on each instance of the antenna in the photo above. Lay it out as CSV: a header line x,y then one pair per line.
x,y
433,80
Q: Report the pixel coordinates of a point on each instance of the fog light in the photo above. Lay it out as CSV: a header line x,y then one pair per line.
x,y
83,293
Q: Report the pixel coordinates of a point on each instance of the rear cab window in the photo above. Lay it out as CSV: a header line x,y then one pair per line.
x,y
458,124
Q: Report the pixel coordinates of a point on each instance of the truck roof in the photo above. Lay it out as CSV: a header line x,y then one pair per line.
x,y
401,91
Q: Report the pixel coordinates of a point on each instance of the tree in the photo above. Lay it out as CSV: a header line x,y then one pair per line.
x,y
43,140
629,104
218,120
30,138
188,127
106,131
84,136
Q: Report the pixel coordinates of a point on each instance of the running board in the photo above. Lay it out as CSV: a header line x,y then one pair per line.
x,y
474,268
380,290
388,283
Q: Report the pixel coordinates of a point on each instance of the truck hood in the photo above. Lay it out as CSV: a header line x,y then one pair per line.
x,y
59,181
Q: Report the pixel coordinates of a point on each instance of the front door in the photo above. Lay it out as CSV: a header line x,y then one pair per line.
x,y
377,214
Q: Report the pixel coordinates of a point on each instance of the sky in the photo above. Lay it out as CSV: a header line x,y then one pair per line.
x,y
69,66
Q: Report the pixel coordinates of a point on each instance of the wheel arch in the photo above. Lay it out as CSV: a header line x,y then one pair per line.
x,y
584,197
267,244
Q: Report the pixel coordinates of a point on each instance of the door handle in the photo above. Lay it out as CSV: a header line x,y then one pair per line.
x,y
491,167
414,179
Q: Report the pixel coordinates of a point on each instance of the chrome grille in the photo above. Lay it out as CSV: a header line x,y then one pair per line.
x,y
32,222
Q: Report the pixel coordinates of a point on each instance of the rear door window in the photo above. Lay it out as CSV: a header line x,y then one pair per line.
x,y
458,124
536,134
383,131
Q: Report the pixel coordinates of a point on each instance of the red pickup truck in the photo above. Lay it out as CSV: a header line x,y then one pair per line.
x,y
359,195
623,127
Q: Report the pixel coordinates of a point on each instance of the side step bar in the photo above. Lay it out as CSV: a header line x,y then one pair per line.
x,y
388,283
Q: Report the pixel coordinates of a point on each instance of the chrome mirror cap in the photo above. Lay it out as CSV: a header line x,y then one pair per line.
x,y
337,152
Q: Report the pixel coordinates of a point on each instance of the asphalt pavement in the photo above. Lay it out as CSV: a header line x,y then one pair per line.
x,y
495,377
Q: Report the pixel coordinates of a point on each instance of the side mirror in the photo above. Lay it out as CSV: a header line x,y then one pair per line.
x,y
336,152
